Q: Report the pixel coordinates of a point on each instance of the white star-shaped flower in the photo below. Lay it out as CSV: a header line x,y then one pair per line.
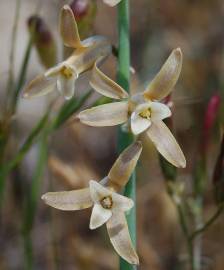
x,y
109,207
143,111
63,76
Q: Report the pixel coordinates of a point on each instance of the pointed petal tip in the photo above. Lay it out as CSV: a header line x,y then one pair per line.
x,y
66,7
178,52
135,260
43,197
166,78
91,227
183,164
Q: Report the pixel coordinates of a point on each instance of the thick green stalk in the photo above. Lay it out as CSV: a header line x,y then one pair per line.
x,y
124,139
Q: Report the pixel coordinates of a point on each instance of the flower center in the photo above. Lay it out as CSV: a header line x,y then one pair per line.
x,y
146,113
107,202
67,72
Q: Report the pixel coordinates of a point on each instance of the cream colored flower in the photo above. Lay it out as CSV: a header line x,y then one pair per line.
x,y
108,206
63,76
111,3
143,111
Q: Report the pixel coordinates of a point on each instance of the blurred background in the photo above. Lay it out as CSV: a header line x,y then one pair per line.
x,y
77,153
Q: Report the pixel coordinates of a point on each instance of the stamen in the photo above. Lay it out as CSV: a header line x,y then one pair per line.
x,y
146,113
107,202
67,72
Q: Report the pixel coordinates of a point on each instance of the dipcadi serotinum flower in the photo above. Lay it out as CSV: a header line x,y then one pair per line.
x,y
143,111
108,206
64,75
111,3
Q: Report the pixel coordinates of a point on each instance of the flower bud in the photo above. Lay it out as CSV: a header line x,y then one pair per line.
x,y
43,41
80,8
210,118
84,12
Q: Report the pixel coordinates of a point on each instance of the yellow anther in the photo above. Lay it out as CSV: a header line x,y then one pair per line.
x,y
67,72
146,113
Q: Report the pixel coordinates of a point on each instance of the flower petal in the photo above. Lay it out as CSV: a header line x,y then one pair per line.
x,y
121,203
84,59
69,29
97,191
166,144
166,78
138,123
99,216
110,114
69,200
39,86
104,85
66,87
160,111
111,3
124,166
119,236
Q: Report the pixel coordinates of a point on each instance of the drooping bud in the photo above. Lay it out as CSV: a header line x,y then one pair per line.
x,y
210,118
43,41
218,175
80,8
211,115
84,12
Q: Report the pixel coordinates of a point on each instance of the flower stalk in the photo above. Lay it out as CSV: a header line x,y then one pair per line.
x,y
124,138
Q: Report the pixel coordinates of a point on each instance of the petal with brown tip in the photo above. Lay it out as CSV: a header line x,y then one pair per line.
x,y
104,85
124,166
166,78
166,144
120,238
69,29
69,200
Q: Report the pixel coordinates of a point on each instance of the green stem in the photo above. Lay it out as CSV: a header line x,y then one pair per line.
x,y
10,83
22,75
197,241
124,139
208,223
185,230
63,115
32,200
6,168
